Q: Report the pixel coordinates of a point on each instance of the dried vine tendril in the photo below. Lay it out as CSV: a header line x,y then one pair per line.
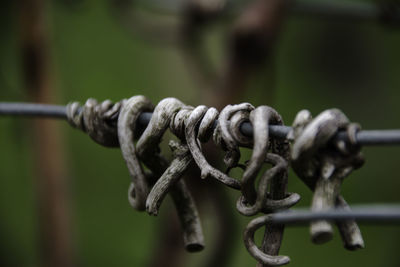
x,y
149,152
95,119
254,201
204,116
128,115
321,165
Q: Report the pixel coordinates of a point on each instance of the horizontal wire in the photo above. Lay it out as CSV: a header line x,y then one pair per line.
x,y
364,137
339,10
328,9
33,110
361,213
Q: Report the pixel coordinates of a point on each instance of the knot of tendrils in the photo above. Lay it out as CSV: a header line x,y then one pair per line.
x,y
322,166
199,127
227,132
265,199
128,115
96,119
253,201
319,162
165,176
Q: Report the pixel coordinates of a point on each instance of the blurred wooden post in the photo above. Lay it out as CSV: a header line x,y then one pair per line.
x,y
54,229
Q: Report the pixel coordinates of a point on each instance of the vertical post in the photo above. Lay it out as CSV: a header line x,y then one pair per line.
x,y
54,232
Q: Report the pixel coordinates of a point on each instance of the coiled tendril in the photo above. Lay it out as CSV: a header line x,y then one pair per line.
x,y
321,166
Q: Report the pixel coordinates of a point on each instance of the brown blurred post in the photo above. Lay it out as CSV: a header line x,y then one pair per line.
x,y
251,46
197,16
54,228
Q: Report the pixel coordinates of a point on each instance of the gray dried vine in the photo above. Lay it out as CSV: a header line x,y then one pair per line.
x,y
320,163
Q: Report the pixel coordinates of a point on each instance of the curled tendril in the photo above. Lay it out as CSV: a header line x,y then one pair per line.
x,y
252,248
149,152
316,133
319,164
128,115
263,202
224,132
95,119
207,124
234,126
206,117
278,197
323,168
260,118
148,143
177,124
173,173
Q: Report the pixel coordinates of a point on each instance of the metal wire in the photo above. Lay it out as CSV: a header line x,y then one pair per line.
x,y
33,110
365,137
329,9
361,213
338,10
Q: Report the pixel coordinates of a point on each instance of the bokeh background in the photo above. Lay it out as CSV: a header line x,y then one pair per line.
x,y
93,50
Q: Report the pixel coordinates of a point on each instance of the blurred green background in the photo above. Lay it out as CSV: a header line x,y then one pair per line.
x,y
318,64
